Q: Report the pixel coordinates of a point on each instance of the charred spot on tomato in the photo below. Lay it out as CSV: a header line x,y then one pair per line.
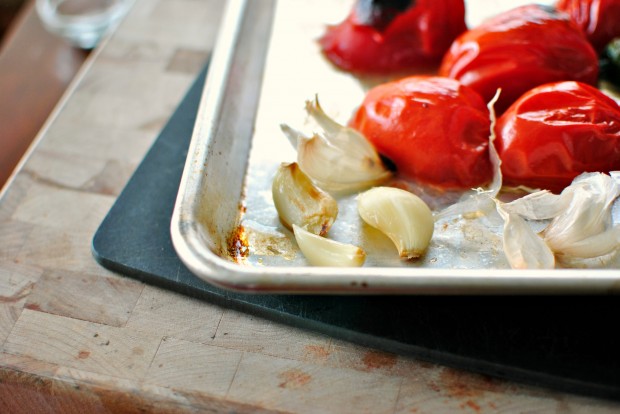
x,y
238,244
380,13
394,36
388,163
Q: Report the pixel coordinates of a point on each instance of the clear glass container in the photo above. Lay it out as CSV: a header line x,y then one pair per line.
x,y
82,22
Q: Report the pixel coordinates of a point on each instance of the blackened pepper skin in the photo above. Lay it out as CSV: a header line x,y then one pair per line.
x,y
380,13
394,36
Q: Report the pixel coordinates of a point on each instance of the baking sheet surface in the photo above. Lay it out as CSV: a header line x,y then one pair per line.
x,y
294,72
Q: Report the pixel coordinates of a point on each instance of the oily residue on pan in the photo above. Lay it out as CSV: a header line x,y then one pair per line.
x,y
238,246
251,238
260,241
269,241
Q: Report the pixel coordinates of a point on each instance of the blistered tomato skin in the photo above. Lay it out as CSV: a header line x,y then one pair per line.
x,y
555,132
598,19
519,50
433,129
391,36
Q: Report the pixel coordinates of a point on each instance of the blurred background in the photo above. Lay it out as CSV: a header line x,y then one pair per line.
x,y
36,67
8,11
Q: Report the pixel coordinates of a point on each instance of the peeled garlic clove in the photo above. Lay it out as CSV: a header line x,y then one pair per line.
x,y
401,215
320,251
524,249
299,202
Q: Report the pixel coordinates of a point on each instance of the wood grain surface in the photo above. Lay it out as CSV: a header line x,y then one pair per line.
x,y
76,338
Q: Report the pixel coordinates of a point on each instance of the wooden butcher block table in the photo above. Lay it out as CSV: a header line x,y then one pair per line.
x,y
79,337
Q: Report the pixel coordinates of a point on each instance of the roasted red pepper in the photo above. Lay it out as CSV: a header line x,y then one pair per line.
x,y
434,129
557,131
518,50
388,36
598,19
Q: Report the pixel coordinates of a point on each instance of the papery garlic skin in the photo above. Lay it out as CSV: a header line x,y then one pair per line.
x,y
596,246
401,215
580,226
338,158
524,249
580,217
299,202
320,251
540,205
480,200
587,220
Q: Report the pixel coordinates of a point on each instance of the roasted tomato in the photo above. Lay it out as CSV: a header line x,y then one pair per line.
x,y
557,131
518,50
389,36
598,19
434,130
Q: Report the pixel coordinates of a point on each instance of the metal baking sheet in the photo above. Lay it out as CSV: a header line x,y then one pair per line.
x,y
225,228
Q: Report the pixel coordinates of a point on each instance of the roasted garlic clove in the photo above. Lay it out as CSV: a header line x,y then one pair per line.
x,y
320,251
298,201
337,158
401,215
